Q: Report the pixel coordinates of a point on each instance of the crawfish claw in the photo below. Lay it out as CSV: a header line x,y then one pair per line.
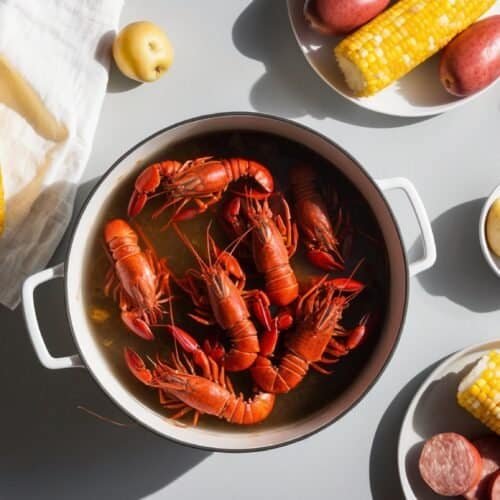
x,y
136,365
190,345
137,325
187,342
357,334
136,203
215,350
323,260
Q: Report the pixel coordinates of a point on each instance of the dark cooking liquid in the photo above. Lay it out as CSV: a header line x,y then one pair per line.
x,y
278,154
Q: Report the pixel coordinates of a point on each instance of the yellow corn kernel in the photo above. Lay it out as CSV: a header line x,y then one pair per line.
x,y
479,392
401,38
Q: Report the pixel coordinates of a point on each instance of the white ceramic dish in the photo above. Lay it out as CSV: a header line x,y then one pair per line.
x,y
419,93
433,410
492,260
90,223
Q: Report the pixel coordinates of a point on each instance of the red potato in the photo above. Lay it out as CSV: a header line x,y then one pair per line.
x,y
450,464
338,17
472,60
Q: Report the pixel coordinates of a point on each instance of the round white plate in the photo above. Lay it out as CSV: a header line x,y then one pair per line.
x,y
433,410
419,93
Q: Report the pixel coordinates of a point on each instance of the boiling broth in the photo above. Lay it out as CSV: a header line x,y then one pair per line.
x,y
278,154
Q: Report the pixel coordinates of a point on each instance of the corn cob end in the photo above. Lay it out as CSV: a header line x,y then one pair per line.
x,y
479,391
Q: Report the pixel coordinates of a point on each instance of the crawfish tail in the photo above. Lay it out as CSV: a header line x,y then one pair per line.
x,y
303,183
251,411
281,285
282,378
241,167
244,346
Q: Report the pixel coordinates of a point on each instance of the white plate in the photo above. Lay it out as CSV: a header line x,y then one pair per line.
x,y
433,410
419,93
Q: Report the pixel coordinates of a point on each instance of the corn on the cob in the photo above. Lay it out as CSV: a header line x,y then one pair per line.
x,y
401,38
479,392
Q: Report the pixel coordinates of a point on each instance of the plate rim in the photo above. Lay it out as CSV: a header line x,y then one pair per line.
x,y
428,111
450,359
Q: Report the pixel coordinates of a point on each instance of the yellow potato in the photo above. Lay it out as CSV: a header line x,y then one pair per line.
x,y
493,227
142,51
2,205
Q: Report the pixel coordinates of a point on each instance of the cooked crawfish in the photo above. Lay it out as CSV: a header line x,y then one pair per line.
x,y
273,241
182,389
319,338
217,291
319,237
137,279
200,182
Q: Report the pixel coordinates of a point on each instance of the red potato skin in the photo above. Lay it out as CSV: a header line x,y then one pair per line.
x,y
471,61
339,17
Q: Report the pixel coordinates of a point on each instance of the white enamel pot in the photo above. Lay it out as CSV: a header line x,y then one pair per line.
x,y
250,438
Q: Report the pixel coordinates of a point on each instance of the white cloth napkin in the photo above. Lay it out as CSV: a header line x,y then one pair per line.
x,y
62,49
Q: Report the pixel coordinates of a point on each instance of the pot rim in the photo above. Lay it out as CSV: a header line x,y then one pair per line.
x,y
228,114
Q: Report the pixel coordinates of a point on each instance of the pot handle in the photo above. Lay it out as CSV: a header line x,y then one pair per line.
x,y
39,345
423,220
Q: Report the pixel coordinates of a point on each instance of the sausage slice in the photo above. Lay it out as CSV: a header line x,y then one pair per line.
x,y
489,449
495,486
450,464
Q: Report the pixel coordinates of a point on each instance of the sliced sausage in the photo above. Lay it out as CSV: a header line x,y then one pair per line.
x,y
495,486
489,449
450,464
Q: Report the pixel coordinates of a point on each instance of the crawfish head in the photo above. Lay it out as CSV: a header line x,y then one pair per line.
x,y
323,307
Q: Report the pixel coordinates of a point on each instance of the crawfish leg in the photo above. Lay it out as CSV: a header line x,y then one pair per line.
x,y
259,304
288,230
110,281
229,263
201,206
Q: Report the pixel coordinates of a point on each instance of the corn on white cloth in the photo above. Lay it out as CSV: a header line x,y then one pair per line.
x,y
62,49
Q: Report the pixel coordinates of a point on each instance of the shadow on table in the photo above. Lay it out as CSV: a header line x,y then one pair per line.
x,y
384,475
289,86
118,82
51,449
460,272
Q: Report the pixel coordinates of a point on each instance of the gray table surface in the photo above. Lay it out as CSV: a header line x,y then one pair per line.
x,y
241,55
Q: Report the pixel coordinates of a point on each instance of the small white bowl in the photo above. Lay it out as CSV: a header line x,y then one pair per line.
x,y
491,258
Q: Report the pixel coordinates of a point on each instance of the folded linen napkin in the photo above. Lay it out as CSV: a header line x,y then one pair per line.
x,y
61,48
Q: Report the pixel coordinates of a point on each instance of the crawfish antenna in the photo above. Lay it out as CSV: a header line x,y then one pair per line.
x,y
180,206
311,290
354,271
209,253
190,247
231,247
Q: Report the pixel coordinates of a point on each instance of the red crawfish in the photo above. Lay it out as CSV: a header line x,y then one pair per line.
x,y
197,384
273,241
195,184
217,291
319,337
318,235
137,279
